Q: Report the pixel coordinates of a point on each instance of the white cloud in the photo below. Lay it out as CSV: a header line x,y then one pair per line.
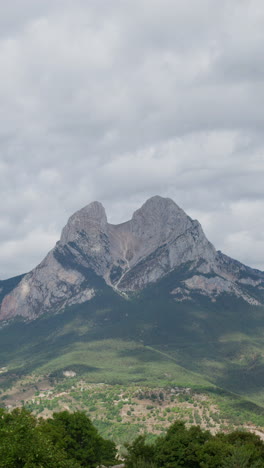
x,y
26,251
121,100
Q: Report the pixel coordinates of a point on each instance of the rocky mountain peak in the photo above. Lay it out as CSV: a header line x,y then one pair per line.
x,y
91,217
158,239
158,209
160,218
156,205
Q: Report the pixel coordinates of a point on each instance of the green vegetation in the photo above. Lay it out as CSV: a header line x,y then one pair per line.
x,y
194,448
64,441
148,341
121,412
70,440
149,338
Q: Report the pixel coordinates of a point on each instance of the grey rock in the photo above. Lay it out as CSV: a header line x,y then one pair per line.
x,y
159,238
91,218
216,285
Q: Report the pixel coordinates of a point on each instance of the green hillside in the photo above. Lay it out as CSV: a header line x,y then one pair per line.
x,y
147,338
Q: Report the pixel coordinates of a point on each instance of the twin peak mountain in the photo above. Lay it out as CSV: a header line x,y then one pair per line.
x,y
159,240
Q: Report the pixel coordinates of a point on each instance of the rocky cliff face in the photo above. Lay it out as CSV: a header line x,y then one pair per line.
x,y
159,238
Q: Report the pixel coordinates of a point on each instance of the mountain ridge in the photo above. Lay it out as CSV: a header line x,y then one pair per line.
x,y
158,238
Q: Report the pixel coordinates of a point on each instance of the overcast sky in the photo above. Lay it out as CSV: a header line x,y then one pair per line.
x,y
119,100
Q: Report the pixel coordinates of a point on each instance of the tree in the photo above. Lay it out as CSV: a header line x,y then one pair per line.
x,y
139,453
180,446
195,448
22,445
214,452
241,458
79,439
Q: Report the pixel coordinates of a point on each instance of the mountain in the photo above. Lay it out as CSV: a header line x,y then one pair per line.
x,y
149,300
128,257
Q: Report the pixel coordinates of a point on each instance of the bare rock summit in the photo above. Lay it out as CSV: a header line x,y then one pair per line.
x,y
127,257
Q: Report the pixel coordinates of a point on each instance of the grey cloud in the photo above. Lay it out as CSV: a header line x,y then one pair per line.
x,y
120,100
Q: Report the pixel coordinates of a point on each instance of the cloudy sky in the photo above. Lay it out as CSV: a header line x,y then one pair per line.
x,y
119,100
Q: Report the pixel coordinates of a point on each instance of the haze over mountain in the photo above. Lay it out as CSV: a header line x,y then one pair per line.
x,y
159,239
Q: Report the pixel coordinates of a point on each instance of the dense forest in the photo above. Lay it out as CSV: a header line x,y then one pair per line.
x,y
69,440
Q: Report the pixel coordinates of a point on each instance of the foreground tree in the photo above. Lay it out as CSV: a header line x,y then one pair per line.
x,y
23,445
195,448
64,441
75,434
180,446
140,453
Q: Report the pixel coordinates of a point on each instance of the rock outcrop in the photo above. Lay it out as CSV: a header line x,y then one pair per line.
x,y
159,238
